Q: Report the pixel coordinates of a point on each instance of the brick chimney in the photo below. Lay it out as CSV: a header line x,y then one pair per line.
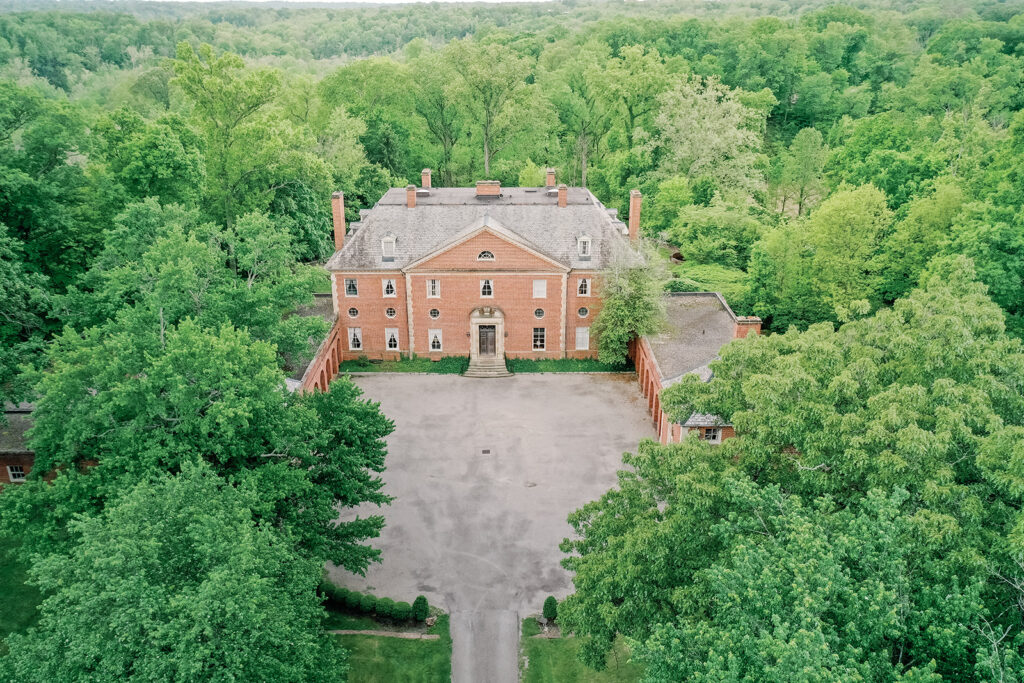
x,y
488,188
747,324
634,214
425,179
550,181
410,196
563,195
338,212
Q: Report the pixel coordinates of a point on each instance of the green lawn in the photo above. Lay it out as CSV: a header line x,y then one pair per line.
x,y
374,659
554,660
17,608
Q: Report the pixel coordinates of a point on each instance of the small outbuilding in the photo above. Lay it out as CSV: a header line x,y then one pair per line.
x,y
698,325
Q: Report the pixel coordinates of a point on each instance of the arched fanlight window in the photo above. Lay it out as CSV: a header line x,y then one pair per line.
x,y
485,256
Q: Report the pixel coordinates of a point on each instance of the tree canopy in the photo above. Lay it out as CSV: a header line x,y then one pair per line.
x,y
864,522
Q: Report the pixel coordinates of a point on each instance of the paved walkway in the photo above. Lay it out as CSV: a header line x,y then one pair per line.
x,y
484,473
386,634
485,646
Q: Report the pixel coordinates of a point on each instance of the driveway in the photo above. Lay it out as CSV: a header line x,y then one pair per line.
x,y
484,473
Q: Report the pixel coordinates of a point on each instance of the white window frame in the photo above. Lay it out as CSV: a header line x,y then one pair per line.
x,y
388,333
543,339
582,338
540,289
387,245
384,288
430,341
354,333
711,434
11,476
488,283
433,289
486,255
583,247
355,286
583,284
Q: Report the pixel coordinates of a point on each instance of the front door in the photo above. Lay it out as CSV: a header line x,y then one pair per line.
x,y
487,336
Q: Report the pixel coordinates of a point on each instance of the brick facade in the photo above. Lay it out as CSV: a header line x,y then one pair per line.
x,y
513,273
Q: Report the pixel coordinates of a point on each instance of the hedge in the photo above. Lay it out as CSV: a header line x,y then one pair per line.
x,y
339,598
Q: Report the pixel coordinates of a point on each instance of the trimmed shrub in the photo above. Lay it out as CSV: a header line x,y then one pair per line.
x,y
402,611
352,599
420,608
386,608
338,597
451,365
367,603
551,608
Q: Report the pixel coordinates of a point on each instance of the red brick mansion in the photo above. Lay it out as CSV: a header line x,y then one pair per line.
x,y
485,272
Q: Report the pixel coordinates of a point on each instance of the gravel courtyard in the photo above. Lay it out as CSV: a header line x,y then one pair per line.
x,y
484,473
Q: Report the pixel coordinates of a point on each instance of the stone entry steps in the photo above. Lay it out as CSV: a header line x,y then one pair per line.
x,y
489,367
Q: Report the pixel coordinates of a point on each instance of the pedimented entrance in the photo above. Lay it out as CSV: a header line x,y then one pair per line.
x,y
487,343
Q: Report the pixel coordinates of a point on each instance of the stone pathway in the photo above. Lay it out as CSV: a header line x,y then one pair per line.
x,y
387,634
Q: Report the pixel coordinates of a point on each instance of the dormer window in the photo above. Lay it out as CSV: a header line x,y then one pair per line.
x,y
387,248
485,256
583,246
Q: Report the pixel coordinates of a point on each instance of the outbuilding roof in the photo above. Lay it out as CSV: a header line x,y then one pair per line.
x,y
441,214
698,325
12,434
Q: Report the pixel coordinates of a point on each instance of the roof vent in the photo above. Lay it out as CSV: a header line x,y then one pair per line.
x,y
488,189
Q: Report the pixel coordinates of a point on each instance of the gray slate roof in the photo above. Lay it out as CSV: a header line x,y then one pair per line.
x,y
698,325
531,213
12,434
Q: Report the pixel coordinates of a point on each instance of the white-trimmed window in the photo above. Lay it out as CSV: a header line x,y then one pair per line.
x,y
583,245
16,473
540,289
582,338
711,434
583,287
355,339
389,288
539,338
387,248
351,287
486,289
390,312
433,289
435,340
391,338
485,256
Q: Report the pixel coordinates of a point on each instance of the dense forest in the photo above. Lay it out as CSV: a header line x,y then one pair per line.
x,y
852,173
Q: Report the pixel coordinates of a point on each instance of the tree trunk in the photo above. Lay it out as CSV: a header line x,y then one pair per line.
x,y
583,161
